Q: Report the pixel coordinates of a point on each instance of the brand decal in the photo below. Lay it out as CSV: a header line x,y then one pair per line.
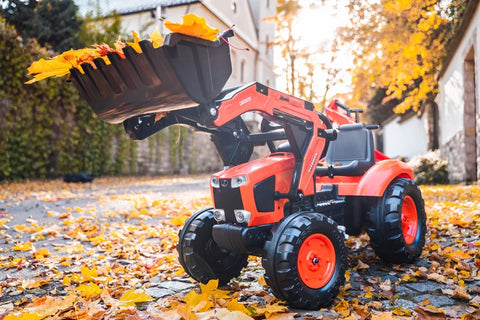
x,y
245,101
312,163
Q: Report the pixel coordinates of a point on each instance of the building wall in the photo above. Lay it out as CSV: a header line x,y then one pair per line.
x,y
407,138
454,88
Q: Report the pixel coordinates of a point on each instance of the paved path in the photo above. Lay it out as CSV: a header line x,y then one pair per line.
x,y
372,284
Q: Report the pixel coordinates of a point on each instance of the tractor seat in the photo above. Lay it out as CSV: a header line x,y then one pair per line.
x,y
351,154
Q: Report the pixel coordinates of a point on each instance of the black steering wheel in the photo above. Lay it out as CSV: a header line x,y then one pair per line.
x,y
328,125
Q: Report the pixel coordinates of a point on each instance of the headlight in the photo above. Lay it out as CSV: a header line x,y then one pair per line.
x,y
239,181
219,215
215,182
242,216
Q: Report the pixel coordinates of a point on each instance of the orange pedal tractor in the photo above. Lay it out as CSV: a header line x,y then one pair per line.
x,y
294,207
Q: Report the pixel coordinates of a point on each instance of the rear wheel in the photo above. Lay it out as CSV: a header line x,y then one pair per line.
x,y
305,261
397,223
199,254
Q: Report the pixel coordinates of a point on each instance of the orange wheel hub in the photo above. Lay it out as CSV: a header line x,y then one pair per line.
x,y
316,261
409,220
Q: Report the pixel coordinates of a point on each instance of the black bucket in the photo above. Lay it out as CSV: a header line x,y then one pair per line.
x,y
184,72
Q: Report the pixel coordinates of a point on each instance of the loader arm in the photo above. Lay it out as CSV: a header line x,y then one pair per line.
x,y
304,128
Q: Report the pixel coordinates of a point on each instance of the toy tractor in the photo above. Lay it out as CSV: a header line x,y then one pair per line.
x,y
293,207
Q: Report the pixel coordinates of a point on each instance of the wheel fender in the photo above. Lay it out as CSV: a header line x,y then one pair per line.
x,y
376,180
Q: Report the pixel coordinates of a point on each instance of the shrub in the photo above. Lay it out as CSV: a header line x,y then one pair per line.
x,y
429,168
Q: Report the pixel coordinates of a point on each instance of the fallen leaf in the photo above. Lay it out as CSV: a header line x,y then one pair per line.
x,y
130,297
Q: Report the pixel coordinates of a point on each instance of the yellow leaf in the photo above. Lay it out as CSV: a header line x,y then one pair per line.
x,y
88,274
130,297
23,316
26,246
234,305
89,290
193,26
262,281
66,281
270,309
41,253
156,38
3,221
135,44
179,221
368,294
193,298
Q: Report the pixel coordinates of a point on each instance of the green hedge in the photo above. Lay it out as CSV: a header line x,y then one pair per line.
x,y
46,128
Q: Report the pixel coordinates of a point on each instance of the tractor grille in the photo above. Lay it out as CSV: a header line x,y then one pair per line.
x,y
228,199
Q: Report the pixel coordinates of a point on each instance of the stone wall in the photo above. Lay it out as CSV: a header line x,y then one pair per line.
x,y
454,152
177,150
180,150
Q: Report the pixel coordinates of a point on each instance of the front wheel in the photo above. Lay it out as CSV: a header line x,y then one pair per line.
x,y
305,261
199,254
397,223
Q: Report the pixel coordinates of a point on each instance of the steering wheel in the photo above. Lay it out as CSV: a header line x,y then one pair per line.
x,y
328,125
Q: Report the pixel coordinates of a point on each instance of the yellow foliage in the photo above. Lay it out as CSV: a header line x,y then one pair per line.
x,y
61,65
23,316
89,290
135,44
130,297
399,43
26,246
193,26
87,273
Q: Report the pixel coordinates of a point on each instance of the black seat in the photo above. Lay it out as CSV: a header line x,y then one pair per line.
x,y
351,154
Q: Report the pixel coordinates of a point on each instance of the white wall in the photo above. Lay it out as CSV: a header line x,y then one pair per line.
x,y
405,139
451,90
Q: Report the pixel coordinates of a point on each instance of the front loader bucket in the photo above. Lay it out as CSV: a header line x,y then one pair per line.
x,y
182,73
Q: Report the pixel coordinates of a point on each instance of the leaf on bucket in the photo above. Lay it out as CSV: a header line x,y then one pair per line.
x,y
156,38
135,44
193,26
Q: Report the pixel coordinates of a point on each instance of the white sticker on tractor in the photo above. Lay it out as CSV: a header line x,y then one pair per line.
x,y
245,101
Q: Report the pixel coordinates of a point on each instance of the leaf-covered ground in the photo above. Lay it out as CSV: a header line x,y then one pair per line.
x,y
106,250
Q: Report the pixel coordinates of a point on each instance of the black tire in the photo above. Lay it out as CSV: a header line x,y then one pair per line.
x,y
285,274
199,254
384,223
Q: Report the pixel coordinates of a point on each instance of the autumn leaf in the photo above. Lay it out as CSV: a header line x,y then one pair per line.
x,y
193,26
234,305
270,309
23,316
136,42
430,312
89,290
26,246
88,274
41,253
156,38
130,297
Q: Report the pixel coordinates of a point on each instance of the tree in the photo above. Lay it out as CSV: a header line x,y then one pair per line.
x,y
51,22
18,13
398,47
